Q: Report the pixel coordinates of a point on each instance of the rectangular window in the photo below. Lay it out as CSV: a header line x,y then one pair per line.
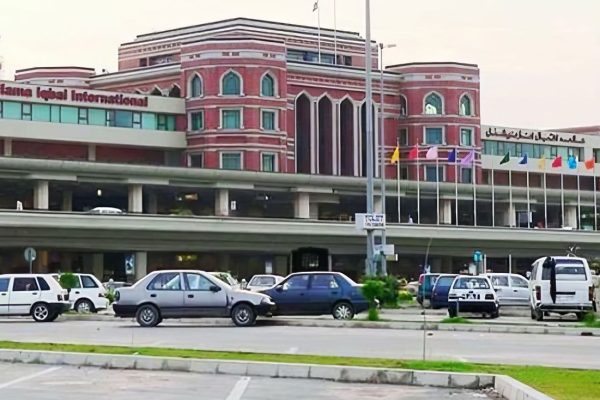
x,y
83,116
268,120
430,174
268,163
26,111
54,113
230,119
123,119
466,137
96,117
403,173
149,121
197,120
403,137
434,136
197,160
69,115
231,161
11,110
40,112
137,120
466,175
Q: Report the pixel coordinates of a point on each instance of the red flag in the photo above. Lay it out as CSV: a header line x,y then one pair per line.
x,y
414,153
589,164
557,162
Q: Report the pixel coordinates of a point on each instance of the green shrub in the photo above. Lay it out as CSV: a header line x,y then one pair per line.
x,y
404,295
68,281
373,314
391,286
110,295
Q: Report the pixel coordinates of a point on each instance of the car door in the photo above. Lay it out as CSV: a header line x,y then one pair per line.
x,y
322,293
77,291
24,293
291,295
4,282
520,289
501,285
166,291
204,298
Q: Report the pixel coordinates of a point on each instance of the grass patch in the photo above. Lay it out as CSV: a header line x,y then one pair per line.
x,y
559,383
591,321
456,320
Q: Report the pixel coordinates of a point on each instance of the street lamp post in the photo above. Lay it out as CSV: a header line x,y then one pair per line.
x,y
369,133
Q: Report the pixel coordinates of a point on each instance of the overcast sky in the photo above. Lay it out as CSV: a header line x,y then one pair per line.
x,y
539,59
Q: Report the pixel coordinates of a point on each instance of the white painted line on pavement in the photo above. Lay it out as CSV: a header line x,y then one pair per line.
x,y
292,350
239,389
28,377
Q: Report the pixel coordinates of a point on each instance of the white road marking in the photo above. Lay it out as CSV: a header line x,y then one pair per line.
x,y
239,389
292,350
28,377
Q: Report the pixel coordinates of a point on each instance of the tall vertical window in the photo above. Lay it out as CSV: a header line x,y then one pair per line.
x,y
231,161
466,137
232,84
434,136
196,86
197,160
430,173
403,137
466,175
465,105
267,86
433,104
268,120
197,120
268,162
231,119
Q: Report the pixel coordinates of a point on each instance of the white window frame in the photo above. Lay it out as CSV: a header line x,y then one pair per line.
x,y
460,129
443,103
443,173
189,158
189,93
221,84
240,153
467,95
275,161
275,120
424,142
240,109
275,86
190,119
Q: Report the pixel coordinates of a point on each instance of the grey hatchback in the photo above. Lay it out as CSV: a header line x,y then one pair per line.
x,y
188,294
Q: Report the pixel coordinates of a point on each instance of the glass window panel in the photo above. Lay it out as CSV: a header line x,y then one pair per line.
x,y
527,148
149,121
123,119
268,162
231,161
166,281
231,119
197,121
11,110
137,120
465,106
69,115
501,148
54,113
430,174
466,175
433,104
170,122
231,84
196,86
198,282
268,86
83,116
466,136
26,110
268,120
97,117
40,112
434,136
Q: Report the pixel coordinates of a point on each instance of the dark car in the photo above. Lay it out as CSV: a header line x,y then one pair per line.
x,y
318,293
439,293
426,282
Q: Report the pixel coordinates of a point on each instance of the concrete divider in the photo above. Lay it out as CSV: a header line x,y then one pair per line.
x,y
506,386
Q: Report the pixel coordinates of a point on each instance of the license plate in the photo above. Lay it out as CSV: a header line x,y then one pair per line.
x,y
472,296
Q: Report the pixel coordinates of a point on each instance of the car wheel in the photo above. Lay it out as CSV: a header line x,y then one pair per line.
x,y
452,312
53,317
495,314
580,316
343,310
147,316
243,315
84,306
539,315
532,313
41,312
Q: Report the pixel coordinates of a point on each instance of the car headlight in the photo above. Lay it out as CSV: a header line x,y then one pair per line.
x,y
266,301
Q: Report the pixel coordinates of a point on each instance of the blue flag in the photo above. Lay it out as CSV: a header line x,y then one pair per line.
x,y
524,160
572,163
452,156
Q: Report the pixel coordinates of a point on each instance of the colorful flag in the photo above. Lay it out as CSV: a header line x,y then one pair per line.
x,y
432,153
505,159
414,153
396,155
468,159
542,163
452,156
524,160
572,162
590,164
557,162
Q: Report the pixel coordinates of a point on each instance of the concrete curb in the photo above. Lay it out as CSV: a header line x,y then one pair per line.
x,y
508,387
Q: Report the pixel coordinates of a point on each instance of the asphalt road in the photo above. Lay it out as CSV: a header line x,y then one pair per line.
x,y
43,382
550,350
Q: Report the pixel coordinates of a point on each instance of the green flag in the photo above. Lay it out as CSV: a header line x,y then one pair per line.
x,y
505,159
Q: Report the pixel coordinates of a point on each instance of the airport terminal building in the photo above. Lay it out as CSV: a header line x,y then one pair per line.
x,y
236,145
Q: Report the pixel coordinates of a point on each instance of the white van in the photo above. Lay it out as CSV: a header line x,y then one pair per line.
x,y
88,295
32,294
561,285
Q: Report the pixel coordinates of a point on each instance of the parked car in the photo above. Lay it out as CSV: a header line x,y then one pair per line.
x,y
413,287
561,285
261,282
318,293
511,289
227,278
112,285
88,295
37,295
188,294
473,294
439,293
426,282
106,210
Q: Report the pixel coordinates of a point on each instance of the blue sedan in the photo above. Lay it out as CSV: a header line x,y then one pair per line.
x,y
318,293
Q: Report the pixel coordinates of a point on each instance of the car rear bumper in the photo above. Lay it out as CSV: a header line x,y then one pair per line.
x,y
473,306
576,307
124,311
59,308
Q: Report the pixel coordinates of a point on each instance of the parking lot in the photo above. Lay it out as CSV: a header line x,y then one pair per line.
x,y
36,382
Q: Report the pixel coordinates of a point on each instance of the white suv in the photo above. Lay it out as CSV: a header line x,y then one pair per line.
x,y
32,294
88,295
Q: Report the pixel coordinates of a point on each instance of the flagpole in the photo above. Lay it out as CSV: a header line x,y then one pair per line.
x,y
437,187
510,199
528,200
398,181
562,197
319,28
595,204
418,188
335,60
493,200
456,186
545,200
578,202
474,180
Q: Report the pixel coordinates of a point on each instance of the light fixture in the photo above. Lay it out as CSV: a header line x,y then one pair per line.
x,y
99,192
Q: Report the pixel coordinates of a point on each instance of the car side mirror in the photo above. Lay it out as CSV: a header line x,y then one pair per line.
x,y
279,288
215,289
528,274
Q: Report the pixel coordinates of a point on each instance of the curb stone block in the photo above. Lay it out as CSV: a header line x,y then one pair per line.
x,y
330,373
467,381
429,378
232,368
52,358
74,359
99,360
486,381
176,364
293,371
511,389
149,363
122,362
204,366
262,369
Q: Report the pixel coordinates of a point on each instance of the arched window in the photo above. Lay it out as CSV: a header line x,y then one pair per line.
x,y
433,104
156,92
175,91
465,105
267,86
403,107
232,84
196,86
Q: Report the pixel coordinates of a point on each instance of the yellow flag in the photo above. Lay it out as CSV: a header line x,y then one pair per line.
x,y
542,163
396,155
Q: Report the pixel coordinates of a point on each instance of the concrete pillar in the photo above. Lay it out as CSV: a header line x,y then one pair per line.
x,y
313,210
67,201
302,205
222,202
41,194
377,204
91,152
509,216
98,265
141,264
446,211
7,147
152,203
136,204
571,217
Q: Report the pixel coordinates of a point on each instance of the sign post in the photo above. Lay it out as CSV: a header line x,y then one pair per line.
x,y
371,222
30,255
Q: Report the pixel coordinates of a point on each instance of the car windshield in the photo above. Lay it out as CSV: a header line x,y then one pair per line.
x,y
226,278
566,272
444,281
471,283
499,280
262,281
